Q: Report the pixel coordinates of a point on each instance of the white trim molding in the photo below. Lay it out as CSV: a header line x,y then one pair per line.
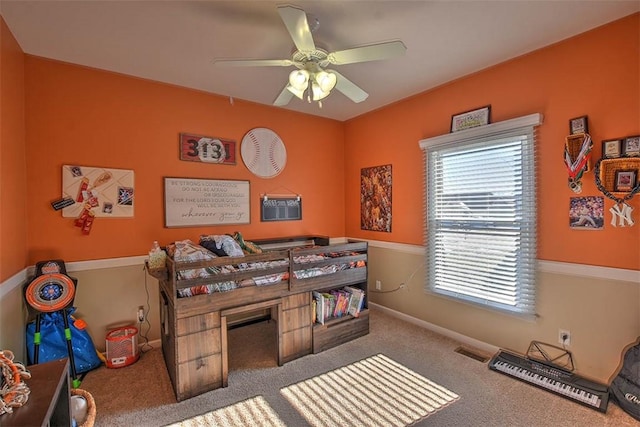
x,y
106,263
400,247
21,277
13,282
591,271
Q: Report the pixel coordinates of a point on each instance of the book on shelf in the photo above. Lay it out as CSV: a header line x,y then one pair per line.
x,y
314,306
342,301
356,302
337,303
329,305
319,299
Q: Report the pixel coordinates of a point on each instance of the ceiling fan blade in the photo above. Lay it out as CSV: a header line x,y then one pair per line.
x,y
284,97
349,89
253,62
372,52
296,22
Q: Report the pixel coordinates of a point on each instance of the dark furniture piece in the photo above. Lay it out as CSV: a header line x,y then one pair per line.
x,y
49,402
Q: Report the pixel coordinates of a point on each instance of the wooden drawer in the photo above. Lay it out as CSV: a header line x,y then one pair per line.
x,y
297,300
295,344
198,376
189,325
338,332
295,318
201,344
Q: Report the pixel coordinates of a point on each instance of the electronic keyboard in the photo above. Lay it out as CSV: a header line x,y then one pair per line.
x,y
553,379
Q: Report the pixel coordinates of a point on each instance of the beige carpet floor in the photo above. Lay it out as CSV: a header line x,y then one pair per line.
x,y
376,391
141,394
254,412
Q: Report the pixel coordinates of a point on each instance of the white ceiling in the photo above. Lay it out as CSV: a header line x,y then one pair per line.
x,y
176,41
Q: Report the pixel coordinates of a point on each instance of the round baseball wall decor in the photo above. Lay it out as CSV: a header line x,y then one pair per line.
x,y
263,152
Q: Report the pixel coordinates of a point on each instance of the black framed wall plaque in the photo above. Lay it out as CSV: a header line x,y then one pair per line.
x,y
280,208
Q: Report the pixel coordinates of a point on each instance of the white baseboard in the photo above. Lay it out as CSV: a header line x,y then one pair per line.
x,y
153,344
471,342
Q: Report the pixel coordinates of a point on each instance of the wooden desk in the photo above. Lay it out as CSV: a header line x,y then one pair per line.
x,y
49,402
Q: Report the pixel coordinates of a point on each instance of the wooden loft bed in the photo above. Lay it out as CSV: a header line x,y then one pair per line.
x,y
281,280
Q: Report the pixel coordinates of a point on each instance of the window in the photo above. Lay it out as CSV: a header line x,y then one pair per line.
x,y
480,224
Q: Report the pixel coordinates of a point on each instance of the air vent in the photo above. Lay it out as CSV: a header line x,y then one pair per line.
x,y
472,354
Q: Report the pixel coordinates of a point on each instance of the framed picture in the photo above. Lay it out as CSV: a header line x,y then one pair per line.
x,y
631,146
578,125
612,148
586,213
471,119
207,149
375,198
625,180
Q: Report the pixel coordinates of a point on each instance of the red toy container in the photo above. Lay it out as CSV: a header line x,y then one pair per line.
x,y
122,347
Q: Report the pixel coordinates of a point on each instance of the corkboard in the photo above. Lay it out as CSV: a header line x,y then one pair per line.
x,y
110,192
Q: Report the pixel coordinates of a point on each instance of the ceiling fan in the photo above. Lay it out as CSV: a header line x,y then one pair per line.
x,y
311,77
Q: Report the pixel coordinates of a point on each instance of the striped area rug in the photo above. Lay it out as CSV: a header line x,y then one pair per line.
x,y
254,412
376,391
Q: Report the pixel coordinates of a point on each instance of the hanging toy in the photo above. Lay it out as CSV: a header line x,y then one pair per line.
x,y
577,153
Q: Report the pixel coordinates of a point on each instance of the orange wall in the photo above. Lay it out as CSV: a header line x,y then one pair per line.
x,y
13,230
87,117
595,74
76,115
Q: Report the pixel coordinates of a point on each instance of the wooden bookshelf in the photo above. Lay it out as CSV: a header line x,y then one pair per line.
x,y
339,331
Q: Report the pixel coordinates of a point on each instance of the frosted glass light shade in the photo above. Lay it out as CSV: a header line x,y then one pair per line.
x,y
297,92
318,93
326,81
299,79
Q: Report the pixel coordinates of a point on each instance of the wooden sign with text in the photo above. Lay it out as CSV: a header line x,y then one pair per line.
x,y
191,202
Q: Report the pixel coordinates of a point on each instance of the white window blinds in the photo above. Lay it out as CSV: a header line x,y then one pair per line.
x,y
480,226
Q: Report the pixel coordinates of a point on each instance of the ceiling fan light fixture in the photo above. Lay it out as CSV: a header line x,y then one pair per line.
x,y
326,81
309,80
299,79
318,93
297,92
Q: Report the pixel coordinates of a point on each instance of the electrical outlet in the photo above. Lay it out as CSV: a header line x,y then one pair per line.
x,y
378,285
141,314
564,336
